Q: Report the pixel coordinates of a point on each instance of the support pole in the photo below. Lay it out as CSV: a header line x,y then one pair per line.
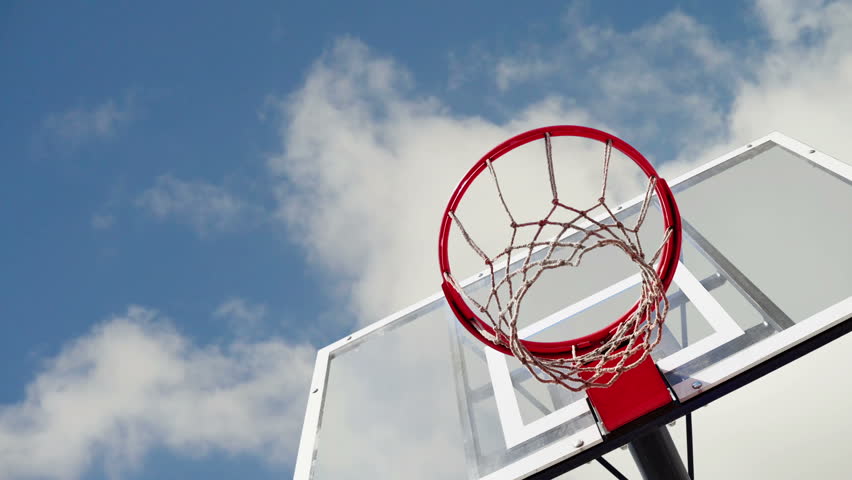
x,y
656,456
690,464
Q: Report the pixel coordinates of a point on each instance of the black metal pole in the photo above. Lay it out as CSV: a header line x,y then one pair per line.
x,y
656,456
690,464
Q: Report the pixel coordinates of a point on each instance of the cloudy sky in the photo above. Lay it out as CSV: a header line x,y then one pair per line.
x,y
196,195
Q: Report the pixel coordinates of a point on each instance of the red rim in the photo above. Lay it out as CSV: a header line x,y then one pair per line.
x,y
668,258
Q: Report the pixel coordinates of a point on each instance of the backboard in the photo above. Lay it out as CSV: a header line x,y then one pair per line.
x,y
765,277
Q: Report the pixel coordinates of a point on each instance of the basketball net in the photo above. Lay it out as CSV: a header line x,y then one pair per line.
x,y
516,269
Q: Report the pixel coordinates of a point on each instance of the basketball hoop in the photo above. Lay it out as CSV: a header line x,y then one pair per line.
x,y
596,359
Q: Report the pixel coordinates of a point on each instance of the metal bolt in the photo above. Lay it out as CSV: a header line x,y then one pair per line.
x,y
812,151
697,385
748,146
349,337
579,443
673,422
315,390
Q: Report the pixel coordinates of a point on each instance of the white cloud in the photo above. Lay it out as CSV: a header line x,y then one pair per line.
x,y
689,93
241,310
799,84
134,384
787,21
802,85
665,82
367,167
102,221
80,125
204,206
244,317
511,71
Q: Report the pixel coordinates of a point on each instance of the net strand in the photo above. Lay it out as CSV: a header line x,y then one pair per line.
x,y
548,148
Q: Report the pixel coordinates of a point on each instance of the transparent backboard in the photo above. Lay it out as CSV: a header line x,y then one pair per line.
x,y
766,266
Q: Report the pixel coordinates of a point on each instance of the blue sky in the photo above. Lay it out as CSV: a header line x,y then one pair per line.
x,y
196,194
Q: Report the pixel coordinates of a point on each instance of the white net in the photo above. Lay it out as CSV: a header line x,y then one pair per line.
x,y
515,270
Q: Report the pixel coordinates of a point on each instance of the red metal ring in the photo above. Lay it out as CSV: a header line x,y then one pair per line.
x,y
668,258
